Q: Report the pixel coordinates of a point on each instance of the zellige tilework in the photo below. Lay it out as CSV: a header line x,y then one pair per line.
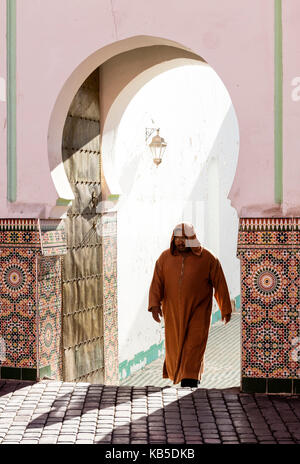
x,y
28,284
110,309
49,315
269,250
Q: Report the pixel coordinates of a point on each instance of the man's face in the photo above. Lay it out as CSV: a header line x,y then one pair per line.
x,y
180,242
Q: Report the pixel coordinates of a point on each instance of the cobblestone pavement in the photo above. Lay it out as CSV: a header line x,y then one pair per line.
x,y
63,412
222,360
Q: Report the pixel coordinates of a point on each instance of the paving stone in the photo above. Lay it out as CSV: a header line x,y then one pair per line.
x,y
85,436
65,442
10,442
20,418
194,442
208,425
212,441
210,435
119,440
56,414
265,437
282,435
176,440
206,420
193,438
73,412
226,428
68,432
285,442
224,421
268,442
13,436
243,430
230,433
29,441
101,429
84,442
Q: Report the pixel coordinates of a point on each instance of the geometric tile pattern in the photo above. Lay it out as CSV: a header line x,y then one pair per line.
x,y
269,250
18,328
110,306
20,249
53,237
17,275
49,314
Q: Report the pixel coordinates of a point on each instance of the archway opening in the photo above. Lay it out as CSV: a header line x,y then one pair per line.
x,y
195,114
116,94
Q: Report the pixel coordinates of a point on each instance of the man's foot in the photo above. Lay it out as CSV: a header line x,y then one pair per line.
x,y
193,383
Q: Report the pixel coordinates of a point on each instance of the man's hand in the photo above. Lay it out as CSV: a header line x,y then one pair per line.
x,y
226,318
156,312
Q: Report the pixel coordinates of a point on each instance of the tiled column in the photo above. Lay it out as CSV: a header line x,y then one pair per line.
x,y
110,304
49,302
269,250
30,298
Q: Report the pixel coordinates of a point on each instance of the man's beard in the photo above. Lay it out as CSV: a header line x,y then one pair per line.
x,y
184,248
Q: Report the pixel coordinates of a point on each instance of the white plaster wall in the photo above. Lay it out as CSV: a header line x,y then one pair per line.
x,y
195,115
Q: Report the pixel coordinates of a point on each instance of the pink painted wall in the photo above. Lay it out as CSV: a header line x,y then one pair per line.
x,y
2,106
291,107
59,42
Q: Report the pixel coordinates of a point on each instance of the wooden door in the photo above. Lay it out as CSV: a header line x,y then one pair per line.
x,y
82,280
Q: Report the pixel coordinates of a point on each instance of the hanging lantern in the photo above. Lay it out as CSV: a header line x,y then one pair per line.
x,y
157,147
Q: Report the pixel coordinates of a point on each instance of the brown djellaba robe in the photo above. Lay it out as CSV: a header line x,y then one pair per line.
x,y
182,285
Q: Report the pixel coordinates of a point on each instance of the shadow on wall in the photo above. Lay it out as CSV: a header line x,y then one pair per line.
x,y
224,216
128,174
198,192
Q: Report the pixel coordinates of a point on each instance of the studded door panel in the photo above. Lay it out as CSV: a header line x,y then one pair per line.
x,y
82,265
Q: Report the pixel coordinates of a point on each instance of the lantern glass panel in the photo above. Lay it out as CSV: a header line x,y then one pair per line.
x,y
157,146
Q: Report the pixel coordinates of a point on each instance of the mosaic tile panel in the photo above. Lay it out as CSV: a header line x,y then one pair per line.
x,y
110,309
17,329
20,248
270,299
49,315
264,232
53,237
17,275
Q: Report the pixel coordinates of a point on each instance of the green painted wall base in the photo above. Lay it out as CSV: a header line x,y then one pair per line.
x,y
45,372
140,360
215,317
